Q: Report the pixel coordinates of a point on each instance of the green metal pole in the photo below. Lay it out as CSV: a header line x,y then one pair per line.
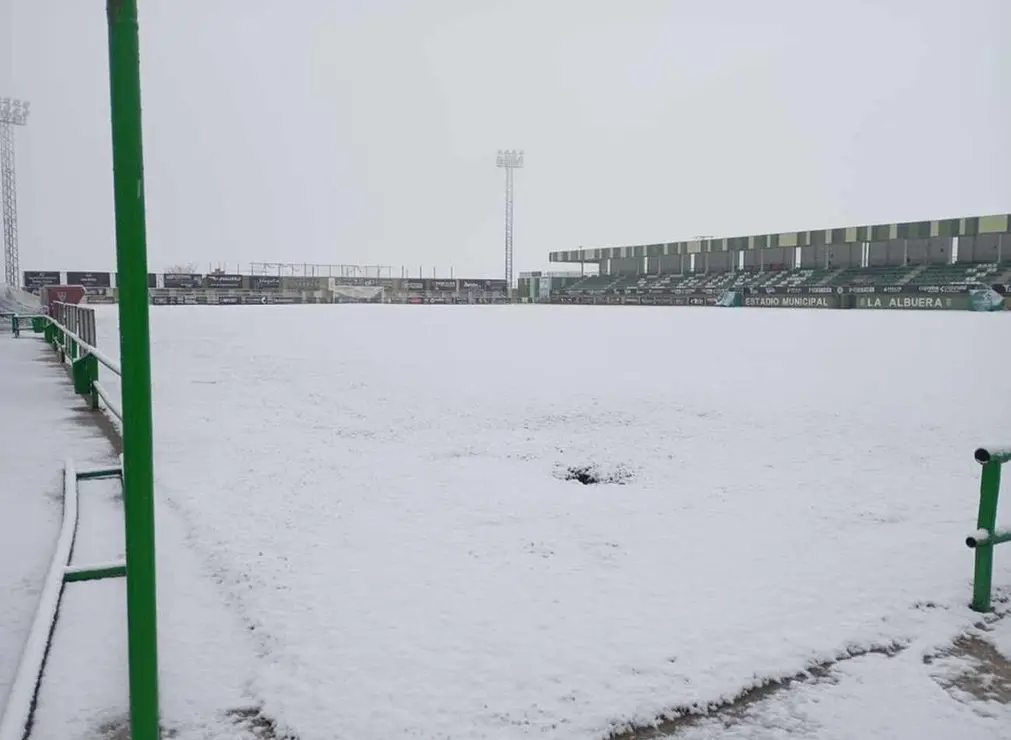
x,y
989,486
135,356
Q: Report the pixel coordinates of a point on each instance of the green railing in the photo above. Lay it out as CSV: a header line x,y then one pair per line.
x,y
16,721
135,352
987,534
25,322
71,331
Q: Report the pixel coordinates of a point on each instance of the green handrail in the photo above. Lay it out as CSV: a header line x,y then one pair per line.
x,y
987,535
16,718
135,353
85,359
38,322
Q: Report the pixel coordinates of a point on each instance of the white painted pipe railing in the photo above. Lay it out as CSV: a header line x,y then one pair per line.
x,y
110,403
17,715
84,348
21,700
103,359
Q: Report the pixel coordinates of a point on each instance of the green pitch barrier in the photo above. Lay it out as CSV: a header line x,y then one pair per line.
x,y
987,535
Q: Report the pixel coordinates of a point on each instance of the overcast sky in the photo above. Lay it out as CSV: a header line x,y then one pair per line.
x,y
365,131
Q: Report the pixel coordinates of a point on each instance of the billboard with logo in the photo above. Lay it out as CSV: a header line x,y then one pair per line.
x,y
35,279
265,282
182,280
223,281
307,283
791,290
152,279
90,279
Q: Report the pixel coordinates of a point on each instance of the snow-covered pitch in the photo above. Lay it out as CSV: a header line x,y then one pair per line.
x,y
380,494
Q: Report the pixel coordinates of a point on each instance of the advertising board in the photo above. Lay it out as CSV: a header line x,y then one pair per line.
x,y
90,279
265,282
35,279
223,281
182,280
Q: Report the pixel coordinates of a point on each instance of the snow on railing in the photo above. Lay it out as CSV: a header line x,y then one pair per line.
x,y
17,714
991,458
71,332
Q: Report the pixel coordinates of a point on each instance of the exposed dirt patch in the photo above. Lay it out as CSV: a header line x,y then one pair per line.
x,y
592,474
733,711
990,677
116,729
119,729
249,719
258,724
983,673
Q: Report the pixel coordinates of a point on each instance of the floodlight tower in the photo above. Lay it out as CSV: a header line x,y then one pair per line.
x,y
12,113
509,160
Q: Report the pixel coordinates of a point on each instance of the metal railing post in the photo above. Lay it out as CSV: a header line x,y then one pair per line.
x,y
135,360
987,535
72,325
989,487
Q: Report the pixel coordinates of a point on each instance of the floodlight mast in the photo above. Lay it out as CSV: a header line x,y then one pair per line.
x,y
13,112
509,160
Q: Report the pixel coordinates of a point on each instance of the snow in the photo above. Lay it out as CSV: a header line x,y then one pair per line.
x,y
379,494
17,301
205,661
40,419
865,697
979,536
84,690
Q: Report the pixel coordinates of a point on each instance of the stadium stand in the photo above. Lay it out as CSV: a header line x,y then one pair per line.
x,y
869,276
593,284
953,274
917,255
937,274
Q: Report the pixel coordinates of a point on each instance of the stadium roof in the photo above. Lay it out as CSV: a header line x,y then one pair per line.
x,y
969,226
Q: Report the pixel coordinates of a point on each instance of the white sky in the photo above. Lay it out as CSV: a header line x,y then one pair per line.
x,y
365,131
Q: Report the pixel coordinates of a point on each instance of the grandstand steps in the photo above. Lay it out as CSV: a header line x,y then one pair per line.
x,y
830,278
579,283
912,274
984,273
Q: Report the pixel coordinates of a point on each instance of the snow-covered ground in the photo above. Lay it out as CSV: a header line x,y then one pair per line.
x,y
85,693
84,690
380,493
40,426
377,496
